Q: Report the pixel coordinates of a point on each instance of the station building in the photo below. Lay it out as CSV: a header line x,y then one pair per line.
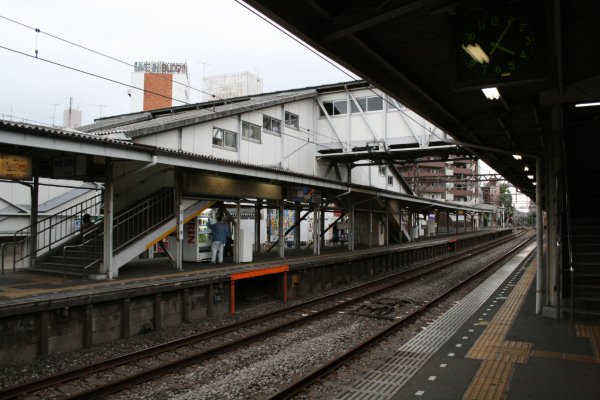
x,y
315,157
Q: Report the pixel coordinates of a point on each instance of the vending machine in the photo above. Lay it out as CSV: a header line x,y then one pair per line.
x,y
198,238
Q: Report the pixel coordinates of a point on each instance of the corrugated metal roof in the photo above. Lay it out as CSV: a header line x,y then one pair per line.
x,y
69,133
149,122
177,117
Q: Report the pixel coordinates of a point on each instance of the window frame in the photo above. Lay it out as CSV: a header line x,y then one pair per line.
x,y
224,133
248,138
291,125
269,128
332,110
377,99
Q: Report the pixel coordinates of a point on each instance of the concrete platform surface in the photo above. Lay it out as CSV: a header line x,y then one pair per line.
x,y
503,350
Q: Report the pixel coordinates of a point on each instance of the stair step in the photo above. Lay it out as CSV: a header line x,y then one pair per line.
x,y
80,273
587,286
591,299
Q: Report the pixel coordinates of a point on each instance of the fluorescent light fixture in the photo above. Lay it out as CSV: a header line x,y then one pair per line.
x,y
588,104
476,53
491,93
517,157
526,168
530,177
533,183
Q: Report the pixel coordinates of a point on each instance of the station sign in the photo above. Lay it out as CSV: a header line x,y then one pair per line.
x,y
198,184
160,67
15,167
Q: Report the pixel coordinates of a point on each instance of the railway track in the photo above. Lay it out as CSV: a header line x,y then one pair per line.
x,y
116,374
304,382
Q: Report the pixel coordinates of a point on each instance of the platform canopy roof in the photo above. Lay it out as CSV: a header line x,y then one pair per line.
x,y
541,56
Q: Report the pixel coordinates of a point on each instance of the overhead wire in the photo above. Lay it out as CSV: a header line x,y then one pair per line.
x,y
326,59
161,76
306,130
38,31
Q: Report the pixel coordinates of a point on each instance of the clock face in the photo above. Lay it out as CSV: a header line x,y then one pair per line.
x,y
497,46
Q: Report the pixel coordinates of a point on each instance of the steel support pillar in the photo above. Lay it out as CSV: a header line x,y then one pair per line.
x,y
539,225
281,232
106,266
33,238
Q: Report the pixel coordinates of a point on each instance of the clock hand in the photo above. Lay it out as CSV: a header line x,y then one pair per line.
x,y
497,42
504,49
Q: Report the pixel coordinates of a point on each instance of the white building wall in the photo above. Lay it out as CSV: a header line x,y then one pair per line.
x,y
21,194
168,139
297,149
231,85
137,96
181,90
72,118
299,145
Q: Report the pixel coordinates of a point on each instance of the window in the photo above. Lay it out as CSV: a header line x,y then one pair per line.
x,y
224,139
272,125
381,169
337,107
362,103
250,132
291,120
390,180
374,103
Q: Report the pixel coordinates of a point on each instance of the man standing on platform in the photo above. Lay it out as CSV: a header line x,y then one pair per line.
x,y
219,238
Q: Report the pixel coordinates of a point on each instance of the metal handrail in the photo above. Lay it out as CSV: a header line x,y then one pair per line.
x,y
94,230
134,222
129,225
54,229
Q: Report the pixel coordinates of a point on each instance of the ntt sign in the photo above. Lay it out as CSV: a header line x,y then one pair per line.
x,y
159,67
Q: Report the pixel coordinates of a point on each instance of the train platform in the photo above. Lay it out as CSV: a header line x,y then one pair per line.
x,y
23,286
62,314
491,345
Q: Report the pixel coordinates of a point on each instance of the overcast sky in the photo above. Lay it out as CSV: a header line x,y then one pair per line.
x,y
213,37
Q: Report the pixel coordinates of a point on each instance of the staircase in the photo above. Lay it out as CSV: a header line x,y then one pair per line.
x,y
397,225
583,174
82,255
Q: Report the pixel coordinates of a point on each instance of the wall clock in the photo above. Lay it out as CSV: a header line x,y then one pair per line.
x,y
498,47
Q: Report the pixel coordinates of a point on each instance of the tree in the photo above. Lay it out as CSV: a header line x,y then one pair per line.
x,y
505,200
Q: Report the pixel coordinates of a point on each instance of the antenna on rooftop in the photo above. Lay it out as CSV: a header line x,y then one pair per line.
x,y
54,114
100,106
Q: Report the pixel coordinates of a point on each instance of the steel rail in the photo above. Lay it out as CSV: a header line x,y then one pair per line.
x,y
305,381
374,287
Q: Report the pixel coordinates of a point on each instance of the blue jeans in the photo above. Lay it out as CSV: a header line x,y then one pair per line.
x,y
217,252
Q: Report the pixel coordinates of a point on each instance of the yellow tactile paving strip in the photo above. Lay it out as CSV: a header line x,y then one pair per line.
x,y
499,356
593,333
492,342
